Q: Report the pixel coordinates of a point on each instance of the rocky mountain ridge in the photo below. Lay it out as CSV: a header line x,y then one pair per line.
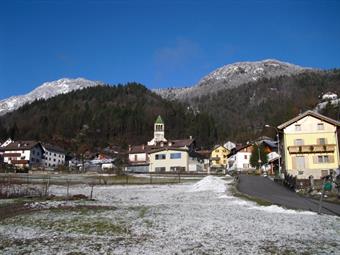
x,y
232,76
45,91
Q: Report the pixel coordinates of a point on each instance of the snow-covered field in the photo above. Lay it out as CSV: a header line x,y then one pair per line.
x,y
200,218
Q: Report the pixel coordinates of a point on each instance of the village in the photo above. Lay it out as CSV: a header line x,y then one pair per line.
x,y
304,149
131,218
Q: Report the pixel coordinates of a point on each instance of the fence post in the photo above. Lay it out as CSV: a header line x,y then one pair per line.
x,y
91,194
68,188
150,178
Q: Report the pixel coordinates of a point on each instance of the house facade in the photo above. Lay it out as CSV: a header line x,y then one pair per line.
x,y
219,157
54,156
240,159
310,145
23,154
169,159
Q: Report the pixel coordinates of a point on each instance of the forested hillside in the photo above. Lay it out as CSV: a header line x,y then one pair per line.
x,y
105,115
241,113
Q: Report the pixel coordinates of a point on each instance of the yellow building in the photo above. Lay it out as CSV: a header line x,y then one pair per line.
x,y
310,145
169,159
219,157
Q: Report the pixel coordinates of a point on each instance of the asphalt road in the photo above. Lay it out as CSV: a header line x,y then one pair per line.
x,y
266,189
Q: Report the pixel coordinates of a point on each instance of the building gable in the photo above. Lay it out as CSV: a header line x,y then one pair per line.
x,y
310,124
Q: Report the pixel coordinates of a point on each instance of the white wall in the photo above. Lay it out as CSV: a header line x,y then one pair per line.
x,y
140,157
53,159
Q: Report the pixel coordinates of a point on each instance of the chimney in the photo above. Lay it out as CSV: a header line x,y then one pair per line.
x,y
143,147
170,143
129,147
190,137
162,144
19,145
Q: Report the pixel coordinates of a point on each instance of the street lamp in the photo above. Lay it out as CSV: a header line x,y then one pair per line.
x,y
278,145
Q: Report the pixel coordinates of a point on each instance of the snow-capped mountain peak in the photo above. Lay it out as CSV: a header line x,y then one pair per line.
x,y
231,76
45,91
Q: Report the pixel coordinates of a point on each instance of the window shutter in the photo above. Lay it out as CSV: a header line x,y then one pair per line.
x,y
331,158
294,162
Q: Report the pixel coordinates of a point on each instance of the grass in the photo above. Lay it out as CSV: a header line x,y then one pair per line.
x,y
74,220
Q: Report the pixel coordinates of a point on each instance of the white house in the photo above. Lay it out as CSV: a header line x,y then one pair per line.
x,y
240,159
53,156
169,159
23,154
7,142
229,145
329,96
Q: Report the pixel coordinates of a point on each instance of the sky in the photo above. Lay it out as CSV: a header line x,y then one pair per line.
x,y
158,43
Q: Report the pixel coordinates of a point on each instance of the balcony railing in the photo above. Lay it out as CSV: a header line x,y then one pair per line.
x,y
315,148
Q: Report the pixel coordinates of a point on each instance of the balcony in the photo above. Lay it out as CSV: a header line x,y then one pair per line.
x,y
315,148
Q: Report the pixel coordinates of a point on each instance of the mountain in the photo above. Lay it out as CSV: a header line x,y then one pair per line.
x,y
45,91
231,76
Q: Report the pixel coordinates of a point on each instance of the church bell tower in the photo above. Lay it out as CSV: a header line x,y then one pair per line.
x,y
158,132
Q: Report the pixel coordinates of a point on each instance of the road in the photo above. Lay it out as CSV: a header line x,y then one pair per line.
x,y
266,189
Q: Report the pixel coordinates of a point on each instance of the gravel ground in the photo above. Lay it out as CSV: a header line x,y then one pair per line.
x,y
200,218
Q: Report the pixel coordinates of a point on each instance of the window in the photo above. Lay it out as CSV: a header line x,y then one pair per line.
x,y
245,156
159,128
321,141
321,126
160,156
160,169
300,162
297,127
298,142
175,155
323,159
136,158
217,151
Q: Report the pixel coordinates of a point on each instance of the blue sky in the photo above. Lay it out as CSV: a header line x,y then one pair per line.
x,y
158,43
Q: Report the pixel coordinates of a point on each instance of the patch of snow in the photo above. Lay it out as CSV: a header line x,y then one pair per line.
x,y
210,183
278,209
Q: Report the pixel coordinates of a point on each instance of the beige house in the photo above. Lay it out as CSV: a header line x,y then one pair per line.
x,y
310,145
169,159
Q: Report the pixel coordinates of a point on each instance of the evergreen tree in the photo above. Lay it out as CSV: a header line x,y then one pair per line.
x,y
258,156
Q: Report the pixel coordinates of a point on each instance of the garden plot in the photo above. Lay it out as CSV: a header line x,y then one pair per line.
x,y
200,218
